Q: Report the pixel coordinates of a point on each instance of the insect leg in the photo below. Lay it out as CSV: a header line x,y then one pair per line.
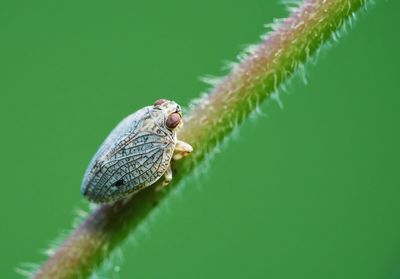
x,y
166,179
167,176
182,149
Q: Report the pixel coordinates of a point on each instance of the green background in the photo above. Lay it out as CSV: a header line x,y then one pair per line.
x,y
307,191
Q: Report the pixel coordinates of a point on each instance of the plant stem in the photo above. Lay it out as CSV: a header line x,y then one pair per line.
x,y
211,119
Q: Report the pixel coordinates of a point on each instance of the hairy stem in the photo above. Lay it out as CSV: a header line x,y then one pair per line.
x,y
211,119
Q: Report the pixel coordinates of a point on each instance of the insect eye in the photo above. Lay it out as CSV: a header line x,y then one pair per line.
x,y
160,102
173,120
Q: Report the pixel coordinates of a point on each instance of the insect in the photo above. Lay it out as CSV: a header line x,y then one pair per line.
x,y
136,154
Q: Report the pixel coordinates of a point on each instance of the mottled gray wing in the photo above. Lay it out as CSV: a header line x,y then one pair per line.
x,y
130,159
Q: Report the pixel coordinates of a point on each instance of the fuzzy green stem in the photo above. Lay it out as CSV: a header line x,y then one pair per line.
x,y
212,119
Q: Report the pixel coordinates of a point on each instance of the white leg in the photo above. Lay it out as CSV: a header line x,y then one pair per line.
x,y
167,176
166,179
182,149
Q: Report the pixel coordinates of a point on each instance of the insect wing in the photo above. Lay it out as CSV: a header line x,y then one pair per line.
x,y
137,164
130,159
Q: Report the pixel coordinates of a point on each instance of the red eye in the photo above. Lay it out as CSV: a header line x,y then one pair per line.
x,y
173,120
160,102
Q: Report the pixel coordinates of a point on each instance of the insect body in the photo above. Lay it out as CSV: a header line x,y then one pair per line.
x,y
136,153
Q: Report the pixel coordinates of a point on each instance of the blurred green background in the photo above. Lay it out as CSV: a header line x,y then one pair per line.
x,y
307,191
